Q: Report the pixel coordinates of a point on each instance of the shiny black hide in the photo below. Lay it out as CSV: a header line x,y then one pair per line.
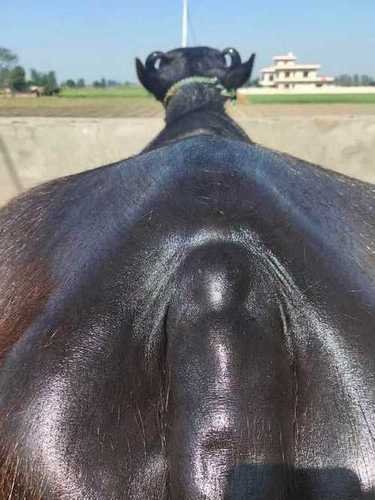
x,y
209,330
196,322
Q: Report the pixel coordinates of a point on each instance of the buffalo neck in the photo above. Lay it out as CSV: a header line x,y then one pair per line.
x,y
194,110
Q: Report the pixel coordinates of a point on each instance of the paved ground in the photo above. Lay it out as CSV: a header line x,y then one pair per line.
x,y
33,150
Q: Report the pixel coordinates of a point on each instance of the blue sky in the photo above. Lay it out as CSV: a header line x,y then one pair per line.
x,y
95,38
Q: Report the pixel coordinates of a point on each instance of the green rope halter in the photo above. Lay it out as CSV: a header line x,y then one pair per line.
x,y
211,82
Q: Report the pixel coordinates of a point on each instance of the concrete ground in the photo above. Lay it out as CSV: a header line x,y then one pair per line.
x,y
33,150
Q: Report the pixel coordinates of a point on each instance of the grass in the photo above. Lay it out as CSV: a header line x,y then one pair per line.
x,y
312,99
134,91
88,107
90,102
134,101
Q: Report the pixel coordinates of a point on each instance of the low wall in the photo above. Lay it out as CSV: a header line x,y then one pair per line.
x,y
329,89
33,150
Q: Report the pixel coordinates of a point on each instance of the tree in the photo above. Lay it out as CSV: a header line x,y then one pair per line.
x,y
70,83
4,77
35,77
100,83
355,80
17,78
51,83
366,80
81,83
7,60
344,80
46,80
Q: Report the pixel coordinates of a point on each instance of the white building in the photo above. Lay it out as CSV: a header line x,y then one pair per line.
x,y
287,74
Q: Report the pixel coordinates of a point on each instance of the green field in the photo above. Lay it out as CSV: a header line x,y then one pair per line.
x,y
134,101
90,102
313,99
136,91
80,107
94,92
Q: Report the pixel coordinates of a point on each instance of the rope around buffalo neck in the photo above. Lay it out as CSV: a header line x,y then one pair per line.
x,y
210,82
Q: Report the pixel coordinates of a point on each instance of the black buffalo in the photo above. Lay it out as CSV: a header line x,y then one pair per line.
x,y
196,322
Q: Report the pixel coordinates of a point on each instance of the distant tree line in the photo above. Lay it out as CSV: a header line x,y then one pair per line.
x,y
13,76
354,80
80,83
102,83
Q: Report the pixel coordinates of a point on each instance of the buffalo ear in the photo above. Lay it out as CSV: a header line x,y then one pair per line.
x,y
237,75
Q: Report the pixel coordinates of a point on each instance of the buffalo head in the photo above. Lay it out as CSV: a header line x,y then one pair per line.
x,y
163,69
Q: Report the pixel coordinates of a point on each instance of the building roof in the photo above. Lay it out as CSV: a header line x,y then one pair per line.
x,y
274,69
289,57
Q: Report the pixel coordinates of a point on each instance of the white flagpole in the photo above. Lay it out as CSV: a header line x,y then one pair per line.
x,y
185,13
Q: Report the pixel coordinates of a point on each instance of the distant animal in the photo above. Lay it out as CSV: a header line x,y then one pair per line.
x,y
195,322
37,90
